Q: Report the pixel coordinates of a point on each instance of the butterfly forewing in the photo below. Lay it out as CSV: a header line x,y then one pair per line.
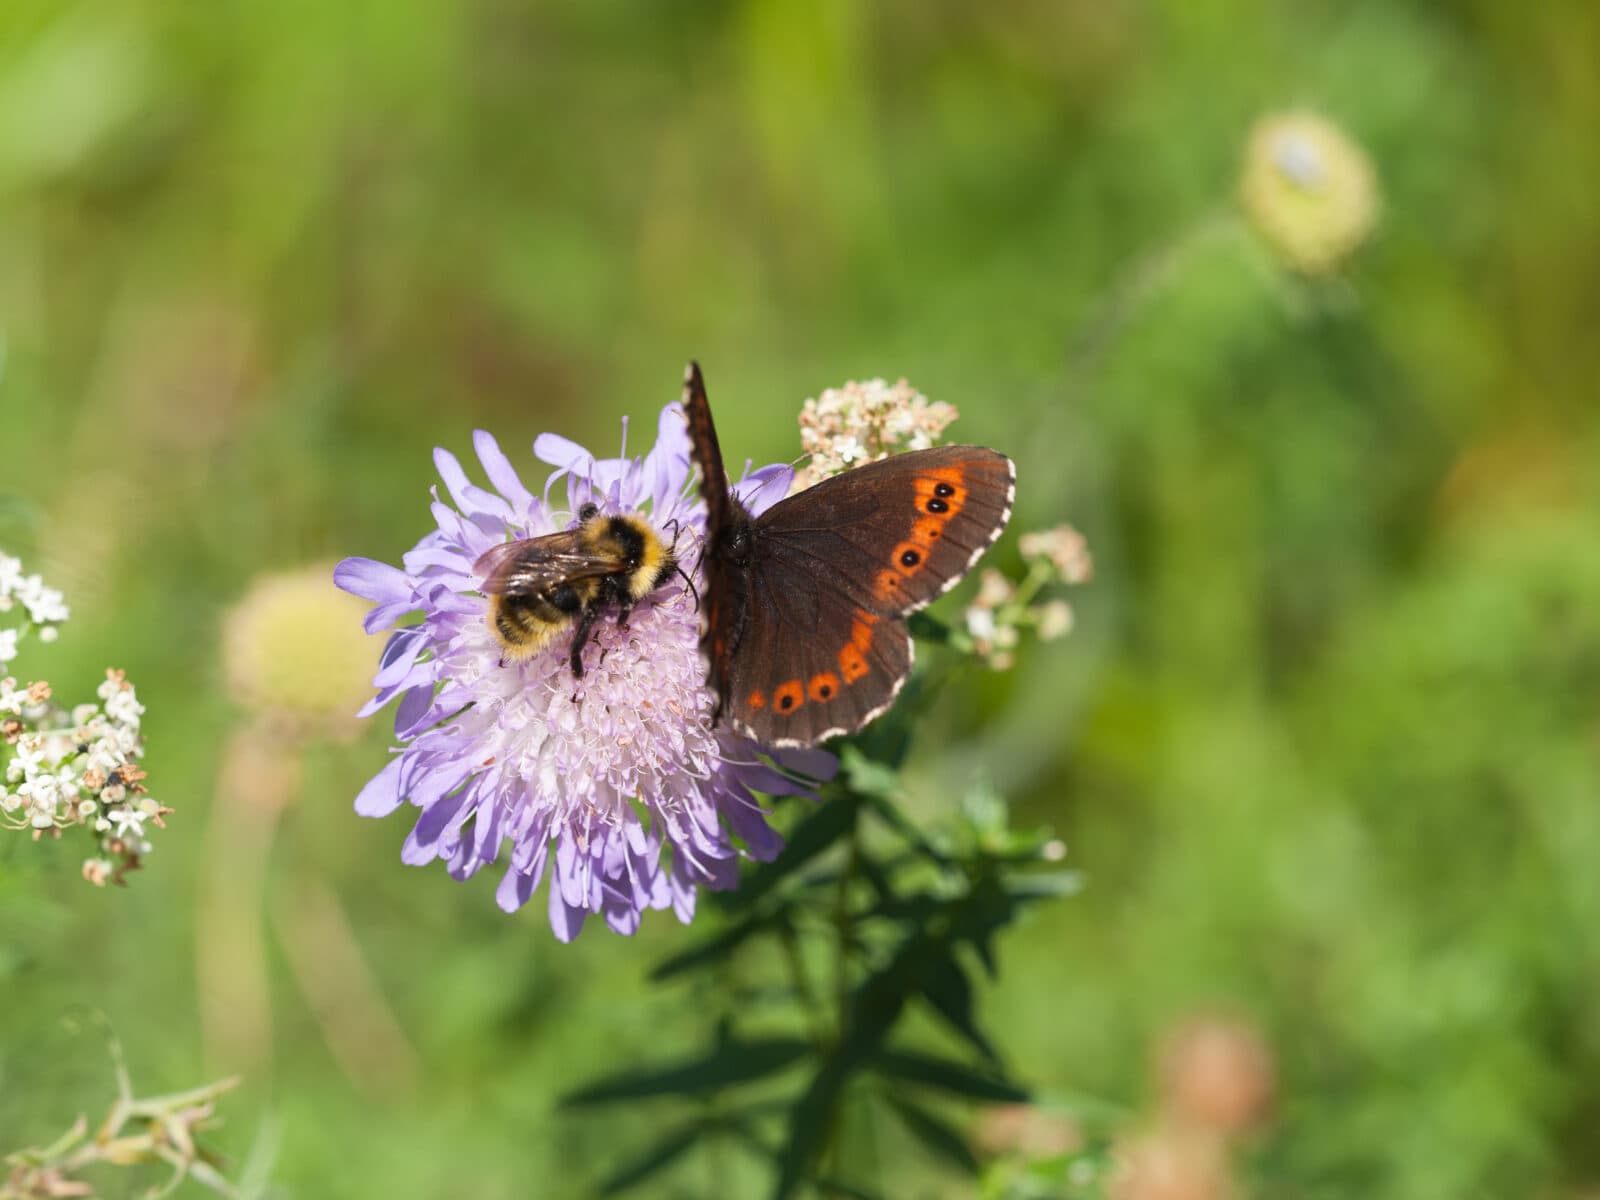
x,y
898,533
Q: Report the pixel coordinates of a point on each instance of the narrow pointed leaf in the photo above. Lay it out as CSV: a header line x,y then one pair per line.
x,y
927,628
729,1064
944,1075
658,1157
1044,885
935,1133
829,1186
948,990
832,820
713,949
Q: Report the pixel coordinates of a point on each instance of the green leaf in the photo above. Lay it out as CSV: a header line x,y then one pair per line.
x,y
935,1133
832,820
830,1186
730,1064
874,1007
715,949
809,1123
889,813
866,777
949,991
1044,885
663,1154
927,628
957,1078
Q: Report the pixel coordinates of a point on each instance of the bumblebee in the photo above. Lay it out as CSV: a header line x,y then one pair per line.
x,y
540,586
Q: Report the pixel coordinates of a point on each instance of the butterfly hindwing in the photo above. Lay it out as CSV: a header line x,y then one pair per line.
x,y
813,664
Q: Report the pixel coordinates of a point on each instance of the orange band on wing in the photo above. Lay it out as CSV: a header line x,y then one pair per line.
x,y
861,629
823,687
853,656
852,663
788,696
942,492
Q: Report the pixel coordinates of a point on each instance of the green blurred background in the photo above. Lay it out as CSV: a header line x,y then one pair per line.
x,y
1325,743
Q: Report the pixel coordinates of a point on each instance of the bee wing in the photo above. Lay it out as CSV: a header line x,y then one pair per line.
x,y
532,565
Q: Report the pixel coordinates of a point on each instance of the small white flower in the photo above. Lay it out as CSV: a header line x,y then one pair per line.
x,y
8,645
981,624
125,819
123,708
1055,620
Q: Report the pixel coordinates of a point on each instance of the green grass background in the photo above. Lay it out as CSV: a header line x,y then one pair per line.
x,y
1325,744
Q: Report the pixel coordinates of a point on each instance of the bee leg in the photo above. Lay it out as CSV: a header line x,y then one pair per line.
x,y
580,639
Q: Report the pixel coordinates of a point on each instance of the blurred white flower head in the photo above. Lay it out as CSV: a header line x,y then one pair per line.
x,y
1309,191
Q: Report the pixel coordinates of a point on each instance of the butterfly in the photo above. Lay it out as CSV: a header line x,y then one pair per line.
x,y
804,627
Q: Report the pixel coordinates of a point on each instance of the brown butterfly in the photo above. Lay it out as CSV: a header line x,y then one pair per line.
x,y
805,605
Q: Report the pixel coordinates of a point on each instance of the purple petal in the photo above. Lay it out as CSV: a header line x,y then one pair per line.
x,y
398,657
820,765
469,498
422,844
565,920
515,889
381,796
560,452
760,490
372,580
500,471
413,710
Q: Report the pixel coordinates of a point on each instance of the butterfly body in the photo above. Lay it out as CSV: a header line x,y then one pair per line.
x,y
805,604
539,587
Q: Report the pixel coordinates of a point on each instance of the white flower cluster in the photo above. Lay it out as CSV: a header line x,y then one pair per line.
x,y
863,422
42,606
78,768
64,767
1001,609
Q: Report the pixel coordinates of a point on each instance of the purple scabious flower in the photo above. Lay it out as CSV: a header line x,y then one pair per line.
x,y
614,785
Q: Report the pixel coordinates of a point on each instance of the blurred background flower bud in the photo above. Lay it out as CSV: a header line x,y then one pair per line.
x,y
1309,191
295,656
1217,1074
1174,1164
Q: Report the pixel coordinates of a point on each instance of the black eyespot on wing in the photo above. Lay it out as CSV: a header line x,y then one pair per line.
x,y
937,505
910,558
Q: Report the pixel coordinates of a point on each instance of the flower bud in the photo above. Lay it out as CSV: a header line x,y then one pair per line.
x,y
1309,191
1217,1074
294,654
